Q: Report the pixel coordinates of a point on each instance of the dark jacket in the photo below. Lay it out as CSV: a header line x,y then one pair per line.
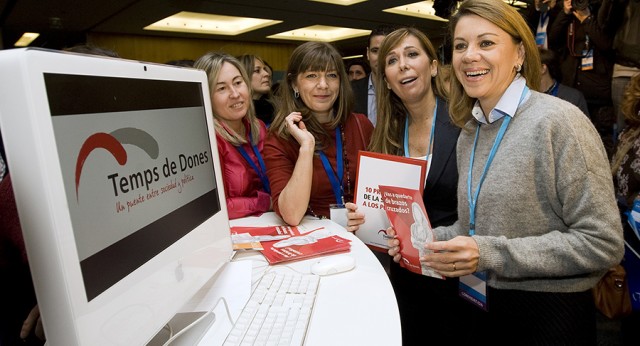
x,y
595,84
532,16
361,92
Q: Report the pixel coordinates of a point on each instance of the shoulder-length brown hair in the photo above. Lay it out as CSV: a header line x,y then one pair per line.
x,y
249,63
312,56
388,135
211,63
508,19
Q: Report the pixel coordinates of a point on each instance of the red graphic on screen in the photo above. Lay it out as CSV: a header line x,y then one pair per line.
x,y
112,142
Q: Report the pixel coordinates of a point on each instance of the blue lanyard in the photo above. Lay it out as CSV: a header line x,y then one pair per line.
x,y
543,18
433,130
473,201
554,89
260,171
335,178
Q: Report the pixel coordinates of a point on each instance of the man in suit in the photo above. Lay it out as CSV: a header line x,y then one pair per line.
x,y
550,77
364,89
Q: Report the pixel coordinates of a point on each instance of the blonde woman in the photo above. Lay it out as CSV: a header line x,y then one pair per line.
x,y
239,134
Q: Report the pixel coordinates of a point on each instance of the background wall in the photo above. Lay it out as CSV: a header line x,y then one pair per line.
x,y
164,49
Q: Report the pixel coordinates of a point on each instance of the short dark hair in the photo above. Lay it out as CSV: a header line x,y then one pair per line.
x,y
181,62
381,30
92,50
550,58
360,62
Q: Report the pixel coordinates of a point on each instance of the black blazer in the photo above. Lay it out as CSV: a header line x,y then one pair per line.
x,y
361,94
441,189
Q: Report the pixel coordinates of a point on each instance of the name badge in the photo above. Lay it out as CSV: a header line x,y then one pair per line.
x,y
473,288
338,214
587,60
541,39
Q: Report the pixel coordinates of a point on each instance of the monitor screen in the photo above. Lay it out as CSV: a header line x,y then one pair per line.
x,y
116,175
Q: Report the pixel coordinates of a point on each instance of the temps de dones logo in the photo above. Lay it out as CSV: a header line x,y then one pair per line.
x,y
113,143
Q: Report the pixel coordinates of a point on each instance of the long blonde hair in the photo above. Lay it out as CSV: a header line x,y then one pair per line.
x,y
312,56
211,63
509,20
391,113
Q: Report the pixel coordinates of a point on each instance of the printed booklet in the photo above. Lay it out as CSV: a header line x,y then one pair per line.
x,y
406,212
251,238
375,169
284,243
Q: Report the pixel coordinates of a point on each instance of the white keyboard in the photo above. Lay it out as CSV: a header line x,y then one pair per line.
x,y
278,311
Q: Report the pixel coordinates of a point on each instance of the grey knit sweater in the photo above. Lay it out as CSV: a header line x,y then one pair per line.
x,y
546,216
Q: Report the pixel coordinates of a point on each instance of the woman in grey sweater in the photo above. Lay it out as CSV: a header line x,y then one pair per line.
x,y
538,222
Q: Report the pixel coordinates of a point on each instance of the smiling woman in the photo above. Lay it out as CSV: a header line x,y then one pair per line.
x,y
538,221
312,148
413,121
239,135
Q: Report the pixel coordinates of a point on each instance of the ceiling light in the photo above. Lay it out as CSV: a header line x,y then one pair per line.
x,y
320,33
352,57
209,24
340,2
516,3
421,9
26,39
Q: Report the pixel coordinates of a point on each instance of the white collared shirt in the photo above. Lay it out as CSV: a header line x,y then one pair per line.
x,y
371,101
508,103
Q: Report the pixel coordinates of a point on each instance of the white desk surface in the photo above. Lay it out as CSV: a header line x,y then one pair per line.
x,y
352,308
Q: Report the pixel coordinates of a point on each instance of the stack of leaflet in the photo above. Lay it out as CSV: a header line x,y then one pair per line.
x,y
285,243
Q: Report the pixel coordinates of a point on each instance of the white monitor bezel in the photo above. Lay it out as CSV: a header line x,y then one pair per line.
x,y
33,161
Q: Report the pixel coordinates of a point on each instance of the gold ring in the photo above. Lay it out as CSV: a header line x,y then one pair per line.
x,y
454,266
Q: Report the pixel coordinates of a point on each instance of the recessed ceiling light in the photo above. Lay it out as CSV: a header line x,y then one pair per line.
x,y
421,9
340,2
320,33
516,3
214,24
26,39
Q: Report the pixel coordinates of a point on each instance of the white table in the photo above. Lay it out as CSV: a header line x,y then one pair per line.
x,y
352,308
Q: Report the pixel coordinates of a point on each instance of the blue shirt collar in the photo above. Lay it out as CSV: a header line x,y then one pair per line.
x,y
508,103
370,84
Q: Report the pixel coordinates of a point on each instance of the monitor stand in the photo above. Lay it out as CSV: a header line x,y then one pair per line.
x,y
189,337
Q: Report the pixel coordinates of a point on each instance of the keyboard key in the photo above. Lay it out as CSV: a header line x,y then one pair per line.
x,y
278,311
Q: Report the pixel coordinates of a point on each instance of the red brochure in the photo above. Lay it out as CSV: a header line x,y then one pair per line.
x,y
251,238
407,215
285,243
375,169
303,247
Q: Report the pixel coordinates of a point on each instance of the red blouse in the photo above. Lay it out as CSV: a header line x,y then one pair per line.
x,y
243,188
280,157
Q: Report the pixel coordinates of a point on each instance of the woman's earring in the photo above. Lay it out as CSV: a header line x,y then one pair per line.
x,y
388,86
296,94
518,67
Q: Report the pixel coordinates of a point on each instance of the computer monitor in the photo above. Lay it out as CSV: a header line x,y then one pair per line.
x,y
118,187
